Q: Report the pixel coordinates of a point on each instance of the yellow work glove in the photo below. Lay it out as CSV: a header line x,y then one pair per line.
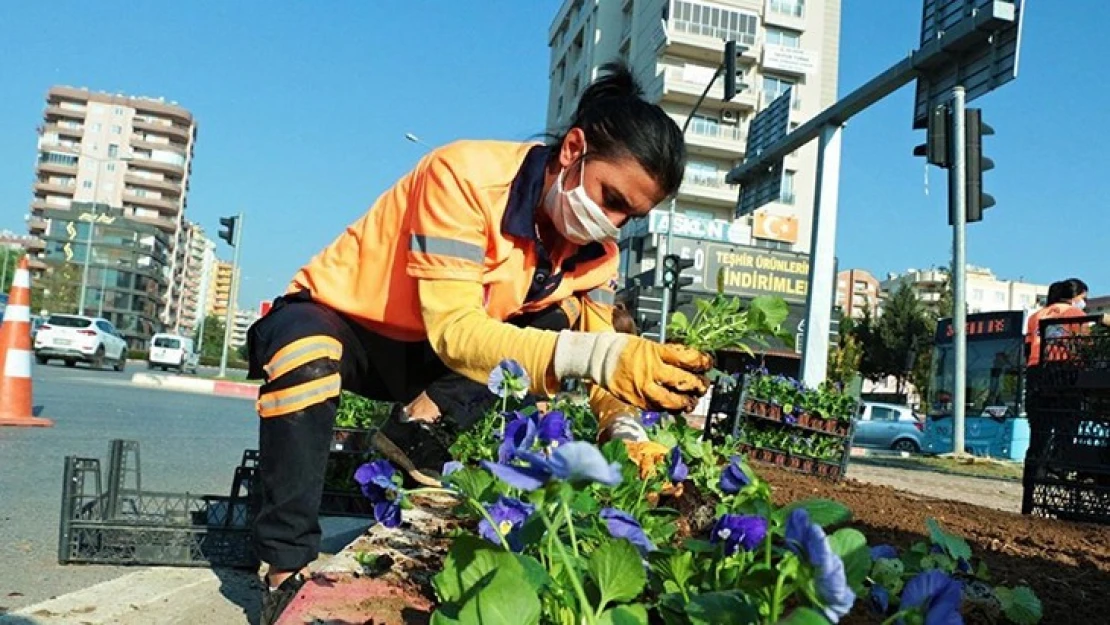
x,y
639,372
646,455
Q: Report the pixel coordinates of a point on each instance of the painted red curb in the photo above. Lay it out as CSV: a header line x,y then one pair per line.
x,y
349,599
235,389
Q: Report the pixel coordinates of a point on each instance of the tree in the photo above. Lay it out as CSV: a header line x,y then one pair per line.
x,y
9,260
58,288
873,352
904,333
213,339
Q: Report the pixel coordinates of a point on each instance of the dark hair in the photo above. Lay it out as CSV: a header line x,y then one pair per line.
x,y
622,320
1066,290
618,122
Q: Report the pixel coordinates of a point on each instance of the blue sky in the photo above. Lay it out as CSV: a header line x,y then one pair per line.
x,y
302,114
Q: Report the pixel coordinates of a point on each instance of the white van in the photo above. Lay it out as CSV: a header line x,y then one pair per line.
x,y
172,351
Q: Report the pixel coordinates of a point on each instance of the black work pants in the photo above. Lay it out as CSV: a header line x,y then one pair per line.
x,y
306,353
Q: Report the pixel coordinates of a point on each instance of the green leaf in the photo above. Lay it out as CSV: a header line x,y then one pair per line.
x,y
697,545
481,583
678,567
534,573
472,482
804,616
954,545
616,569
728,607
823,512
1020,604
851,545
679,320
634,614
584,503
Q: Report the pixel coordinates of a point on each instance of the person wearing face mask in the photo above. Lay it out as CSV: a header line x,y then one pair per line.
x,y
1067,298
449,273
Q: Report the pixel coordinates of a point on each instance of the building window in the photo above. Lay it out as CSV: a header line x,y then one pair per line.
x,y
783,37
118,110
715,22
797,8
787,194
111,166
977,295
771,245
117,130
773,87
96,127
113,150
86,184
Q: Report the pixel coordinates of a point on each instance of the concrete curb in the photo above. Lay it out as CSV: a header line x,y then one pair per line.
x,y
196,385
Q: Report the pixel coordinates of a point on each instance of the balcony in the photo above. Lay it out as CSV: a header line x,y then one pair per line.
x,y
787,13
54,111
710,188
165,225
145,161
50,187
36,225
722,140
138,142
685,85
47,167
166,207
36,244
694,40
165,186
179,132
65,131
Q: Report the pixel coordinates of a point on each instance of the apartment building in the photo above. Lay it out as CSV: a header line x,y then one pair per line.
x,y
196,265
244,317
985,291
857,292
674,48
111,182
219,289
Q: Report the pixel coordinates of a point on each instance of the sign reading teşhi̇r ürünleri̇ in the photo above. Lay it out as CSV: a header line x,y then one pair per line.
x,y
752,272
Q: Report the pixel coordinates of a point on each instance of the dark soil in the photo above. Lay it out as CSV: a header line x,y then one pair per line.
x,y
1067,564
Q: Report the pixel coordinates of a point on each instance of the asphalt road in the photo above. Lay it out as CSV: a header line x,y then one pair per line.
x,y
188,443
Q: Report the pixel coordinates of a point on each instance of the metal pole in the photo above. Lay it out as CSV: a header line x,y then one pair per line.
x,y
103,287
88,241
231,295
957,196
671,214
822,263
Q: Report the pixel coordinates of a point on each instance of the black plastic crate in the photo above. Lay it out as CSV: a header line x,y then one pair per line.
x,y
124,525
1072,496
1069,438
1075,356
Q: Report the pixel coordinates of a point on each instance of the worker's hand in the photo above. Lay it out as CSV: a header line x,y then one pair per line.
x,y
639,372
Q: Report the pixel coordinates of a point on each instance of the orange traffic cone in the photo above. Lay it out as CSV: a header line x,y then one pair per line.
x,y
15,355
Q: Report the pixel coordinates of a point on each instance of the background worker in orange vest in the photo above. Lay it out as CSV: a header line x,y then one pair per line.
x,y
1067,298
429,281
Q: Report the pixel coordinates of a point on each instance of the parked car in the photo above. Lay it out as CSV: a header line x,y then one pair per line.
x,y
172,351
75,338
888,426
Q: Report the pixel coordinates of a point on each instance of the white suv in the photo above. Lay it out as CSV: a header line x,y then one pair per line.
x,y
73,339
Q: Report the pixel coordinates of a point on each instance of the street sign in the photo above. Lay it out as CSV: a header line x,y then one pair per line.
x,y
985,59
768,127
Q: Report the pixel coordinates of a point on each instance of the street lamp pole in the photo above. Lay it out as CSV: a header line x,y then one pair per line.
x,y
89,236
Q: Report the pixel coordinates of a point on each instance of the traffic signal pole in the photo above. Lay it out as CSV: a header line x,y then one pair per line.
x,y
957,197
236,227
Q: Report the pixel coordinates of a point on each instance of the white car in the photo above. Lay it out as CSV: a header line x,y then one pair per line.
x,y
172,351
74,338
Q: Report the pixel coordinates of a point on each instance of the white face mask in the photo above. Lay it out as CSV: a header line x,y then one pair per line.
x,y
1081,304
575,215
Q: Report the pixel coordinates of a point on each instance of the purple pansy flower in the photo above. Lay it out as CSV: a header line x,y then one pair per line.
x,y
574,462
508,516
676,468
508,378
649,418
884,552
736,530
733,478
879,600
451,466
553,429
808,540
937,595
376,480
623,525
519,435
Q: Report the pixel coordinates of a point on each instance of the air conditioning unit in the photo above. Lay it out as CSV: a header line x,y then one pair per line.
x,y
729,116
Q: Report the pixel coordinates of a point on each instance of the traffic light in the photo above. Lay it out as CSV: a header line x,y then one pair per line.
x,y
976,164
673,265
228,234
935,148
733,83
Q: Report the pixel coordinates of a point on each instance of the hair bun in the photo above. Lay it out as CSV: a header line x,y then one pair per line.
x,y
616,81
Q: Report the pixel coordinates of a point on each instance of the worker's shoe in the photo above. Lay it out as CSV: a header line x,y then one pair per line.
x,y
418,449
275,601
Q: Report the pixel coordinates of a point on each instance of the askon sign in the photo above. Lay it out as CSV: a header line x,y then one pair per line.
x,y
752,272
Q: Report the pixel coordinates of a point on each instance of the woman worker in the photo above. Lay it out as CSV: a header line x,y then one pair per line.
x,y
429,281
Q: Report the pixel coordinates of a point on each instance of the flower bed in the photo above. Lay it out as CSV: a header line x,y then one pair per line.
x,y
674,530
